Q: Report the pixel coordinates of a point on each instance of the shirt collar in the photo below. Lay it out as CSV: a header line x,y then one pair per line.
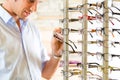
x,y
7,18
5,15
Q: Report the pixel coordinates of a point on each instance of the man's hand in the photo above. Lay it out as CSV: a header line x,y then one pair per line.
x,y
57,42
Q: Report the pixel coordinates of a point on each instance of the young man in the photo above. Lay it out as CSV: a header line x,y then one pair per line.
x,y
22,56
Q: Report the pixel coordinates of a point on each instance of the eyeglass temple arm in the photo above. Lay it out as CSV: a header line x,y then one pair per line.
x,y
114,55
116,30
60,38
115,18
115,7
94,10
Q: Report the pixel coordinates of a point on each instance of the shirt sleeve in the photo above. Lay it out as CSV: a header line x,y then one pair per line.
x,y
43,51
44,57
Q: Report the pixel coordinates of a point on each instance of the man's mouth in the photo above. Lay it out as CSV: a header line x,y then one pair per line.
x,y
26,13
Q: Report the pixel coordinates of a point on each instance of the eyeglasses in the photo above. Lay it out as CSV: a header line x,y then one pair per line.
x,y
80,18
111,18
89,18
100,67
79,7
95,65
90,5
113,13
97,18
111,43
100,16
81,31
71,63
111,30
100,43
100,55
114,69
90,75
60,38
71,72
99,31
115,7
97,5
74,72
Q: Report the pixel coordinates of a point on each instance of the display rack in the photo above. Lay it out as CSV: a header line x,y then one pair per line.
x,y
84,39
106,38
65,33
105,65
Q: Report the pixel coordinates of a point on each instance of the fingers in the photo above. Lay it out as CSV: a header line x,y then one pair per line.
x,y
57,34
58,30
57,40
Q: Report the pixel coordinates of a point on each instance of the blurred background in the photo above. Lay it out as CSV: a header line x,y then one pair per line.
x,y
48,16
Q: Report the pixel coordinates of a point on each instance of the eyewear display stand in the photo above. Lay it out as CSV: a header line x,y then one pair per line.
x,y
84,44
84,9
106,38
65,34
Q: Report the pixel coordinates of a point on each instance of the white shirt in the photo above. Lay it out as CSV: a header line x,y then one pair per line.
x,y
22,55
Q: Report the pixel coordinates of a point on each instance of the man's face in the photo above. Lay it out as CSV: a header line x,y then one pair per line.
x,y
23,8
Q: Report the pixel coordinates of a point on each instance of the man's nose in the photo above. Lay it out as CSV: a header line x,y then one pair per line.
x,y
33,8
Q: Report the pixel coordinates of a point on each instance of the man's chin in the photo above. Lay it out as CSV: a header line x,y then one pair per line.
x,y
24,18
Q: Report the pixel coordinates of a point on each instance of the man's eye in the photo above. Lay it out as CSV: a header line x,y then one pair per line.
x,y
32,1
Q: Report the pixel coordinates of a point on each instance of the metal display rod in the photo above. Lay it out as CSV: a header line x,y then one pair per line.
x,y
106,38
65,34
84,44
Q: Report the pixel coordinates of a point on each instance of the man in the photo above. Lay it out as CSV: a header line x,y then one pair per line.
x,y
22,56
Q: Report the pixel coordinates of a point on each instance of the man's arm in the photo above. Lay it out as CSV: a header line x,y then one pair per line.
x,y
50,68
51,65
